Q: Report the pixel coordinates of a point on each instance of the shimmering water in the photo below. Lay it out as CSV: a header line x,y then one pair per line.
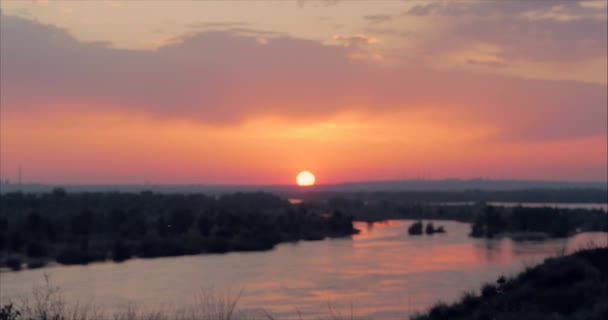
x,y
383,273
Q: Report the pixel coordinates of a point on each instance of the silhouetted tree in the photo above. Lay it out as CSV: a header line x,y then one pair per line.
x,y
430,229
120,251
415,228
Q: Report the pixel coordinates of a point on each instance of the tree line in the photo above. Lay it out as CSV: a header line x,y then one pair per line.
x,y
78,228
554,222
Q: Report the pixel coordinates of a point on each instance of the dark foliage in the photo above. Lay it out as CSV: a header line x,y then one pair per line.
x,y
569,287
9,312
465,206
79,228
415,229
73,255
37,249
35,264
358,199
552,221
13,263
121,251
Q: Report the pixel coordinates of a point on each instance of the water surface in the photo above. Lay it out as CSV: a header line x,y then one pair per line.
x,y
382,272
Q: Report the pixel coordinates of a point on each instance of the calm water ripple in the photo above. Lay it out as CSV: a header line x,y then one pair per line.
x,y
383,273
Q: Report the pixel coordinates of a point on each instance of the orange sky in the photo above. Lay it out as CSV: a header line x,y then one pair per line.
x,y
349,92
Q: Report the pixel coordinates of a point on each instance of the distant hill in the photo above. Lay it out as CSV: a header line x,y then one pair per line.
x,y
461,185
366,186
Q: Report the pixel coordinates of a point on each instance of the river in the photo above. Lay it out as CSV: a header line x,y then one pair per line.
x,y
383,273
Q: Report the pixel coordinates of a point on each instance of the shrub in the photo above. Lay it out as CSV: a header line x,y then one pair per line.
x,y
415,228
9,312
13,263
121,251
36,249
430,229
153,247
35,264
71,255
488,291
570,287
217,245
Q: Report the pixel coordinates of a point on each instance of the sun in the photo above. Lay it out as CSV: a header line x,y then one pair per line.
x,y
305,179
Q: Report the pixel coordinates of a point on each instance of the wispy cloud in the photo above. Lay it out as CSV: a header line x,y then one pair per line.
x,y
595,4
378,18
354,40
488,63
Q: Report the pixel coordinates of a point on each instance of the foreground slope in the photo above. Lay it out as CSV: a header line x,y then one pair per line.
x,y
566,287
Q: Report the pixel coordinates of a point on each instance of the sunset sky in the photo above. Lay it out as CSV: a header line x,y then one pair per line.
x,y
254,92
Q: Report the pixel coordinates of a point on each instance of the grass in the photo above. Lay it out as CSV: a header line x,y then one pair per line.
x,y
46,302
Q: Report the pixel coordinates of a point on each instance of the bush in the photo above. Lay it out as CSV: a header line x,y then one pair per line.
x,y
35,264
570,287
71,255
415,228
13,263
430,229
153,247
121,251
36,249
246,241
217,245
9,312
488,291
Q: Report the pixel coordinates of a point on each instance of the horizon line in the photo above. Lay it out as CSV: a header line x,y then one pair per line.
x,y
477,179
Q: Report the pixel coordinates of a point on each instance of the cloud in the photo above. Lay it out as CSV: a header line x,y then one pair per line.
x,y
112,3
237,28
355,40
221,77
326,3
216,24
536,31
481,8
391,32
487,63
439,8
378,18
554,13
595,4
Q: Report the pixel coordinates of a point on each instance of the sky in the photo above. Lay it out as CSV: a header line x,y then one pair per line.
x,y
254,92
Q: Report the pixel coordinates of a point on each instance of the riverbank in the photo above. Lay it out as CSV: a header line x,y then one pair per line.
x,y
36,229
565,287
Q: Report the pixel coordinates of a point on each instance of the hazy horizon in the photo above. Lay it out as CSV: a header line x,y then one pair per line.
x,y
236,184
412,185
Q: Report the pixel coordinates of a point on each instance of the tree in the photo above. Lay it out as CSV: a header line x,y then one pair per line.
x,y
120,251
430,229
181,220
415,228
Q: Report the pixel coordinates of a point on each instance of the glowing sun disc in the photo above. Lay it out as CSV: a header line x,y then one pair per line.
x,y
305,179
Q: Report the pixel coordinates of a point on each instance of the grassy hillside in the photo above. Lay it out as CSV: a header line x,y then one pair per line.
x,y
568,287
